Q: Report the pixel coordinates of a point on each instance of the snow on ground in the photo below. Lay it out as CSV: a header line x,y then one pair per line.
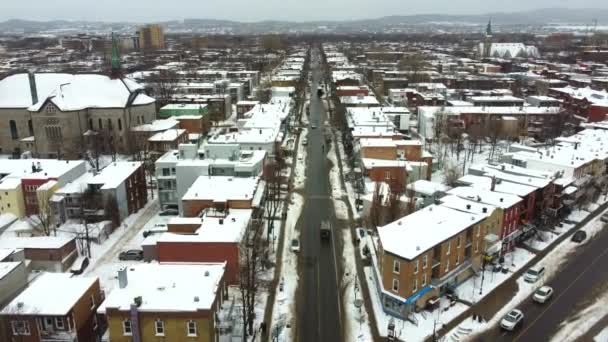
x,y
548,237
602,336
283,314
552,262
406,329
577,326
469,290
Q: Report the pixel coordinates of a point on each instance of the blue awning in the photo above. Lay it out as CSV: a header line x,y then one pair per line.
x,y
418,294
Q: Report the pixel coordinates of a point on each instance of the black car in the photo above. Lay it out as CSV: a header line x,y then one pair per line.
x,y
79,265
579,236
132,254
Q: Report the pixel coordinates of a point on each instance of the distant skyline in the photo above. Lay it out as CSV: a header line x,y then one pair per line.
x,y
256,10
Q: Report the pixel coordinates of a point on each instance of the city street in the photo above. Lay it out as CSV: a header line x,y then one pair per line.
x,y
319,317
577,285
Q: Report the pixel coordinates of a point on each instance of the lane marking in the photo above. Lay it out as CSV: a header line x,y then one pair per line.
x,y
561,294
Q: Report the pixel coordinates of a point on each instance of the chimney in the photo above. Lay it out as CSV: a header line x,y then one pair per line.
x,y
122,277
33,90
484,210
493,186
221,221
468,206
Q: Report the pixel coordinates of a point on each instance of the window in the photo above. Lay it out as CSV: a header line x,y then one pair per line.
x,y
92,302
119,125
20,327
30,126
447,265
59,322
415,288
166,172
14,132
159,328
100,124
458,242
396,267
90,124
416,267
191,328
478,230
95,325
449,247
476,246
424,279
110,124
395,285
457,258
127,329
50,109
387,175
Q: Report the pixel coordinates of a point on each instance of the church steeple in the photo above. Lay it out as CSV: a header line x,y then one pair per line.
x,y
489,28
115,59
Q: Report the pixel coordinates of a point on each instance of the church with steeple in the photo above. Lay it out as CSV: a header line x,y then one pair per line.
x,y
489,49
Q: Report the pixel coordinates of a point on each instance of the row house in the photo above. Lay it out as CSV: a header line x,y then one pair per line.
x,y
507,208
589,105
166,302
69,314
424,254
216,238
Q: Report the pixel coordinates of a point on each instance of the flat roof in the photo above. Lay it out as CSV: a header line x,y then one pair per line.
x,y
222,188
51,294
229,229
114,174
168,287
35,242
424,229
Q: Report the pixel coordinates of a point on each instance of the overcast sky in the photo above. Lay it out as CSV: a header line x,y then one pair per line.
x,y
253,10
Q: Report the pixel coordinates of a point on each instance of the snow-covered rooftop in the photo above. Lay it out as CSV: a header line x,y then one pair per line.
x,y
420,231
114,174
35,242
168,288
51,294
229,229
221,188
497,199
427,187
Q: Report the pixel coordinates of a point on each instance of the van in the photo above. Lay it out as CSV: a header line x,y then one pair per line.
x,y
533,274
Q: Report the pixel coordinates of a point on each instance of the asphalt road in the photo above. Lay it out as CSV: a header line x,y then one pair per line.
x,y
577,285
318,301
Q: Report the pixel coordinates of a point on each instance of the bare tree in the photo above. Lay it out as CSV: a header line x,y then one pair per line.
x,y
165,85
251,251
414,63
43,220
263,92
111,211
274,182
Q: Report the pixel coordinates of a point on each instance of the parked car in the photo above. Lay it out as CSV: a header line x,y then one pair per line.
x,y
295,245
533,274
304,141
313,126
604,217
359,234
169,212
512,320
131,254
80,264
543,294
579,236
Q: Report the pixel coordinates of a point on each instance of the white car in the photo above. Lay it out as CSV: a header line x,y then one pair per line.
x,y
543,294
295,245
533,274
512,320
304,141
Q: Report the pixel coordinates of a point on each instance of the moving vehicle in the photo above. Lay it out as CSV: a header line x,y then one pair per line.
x,y
533,274
325,230
320,91
132,254
80,264
512,320
579,236
543,294
295,245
